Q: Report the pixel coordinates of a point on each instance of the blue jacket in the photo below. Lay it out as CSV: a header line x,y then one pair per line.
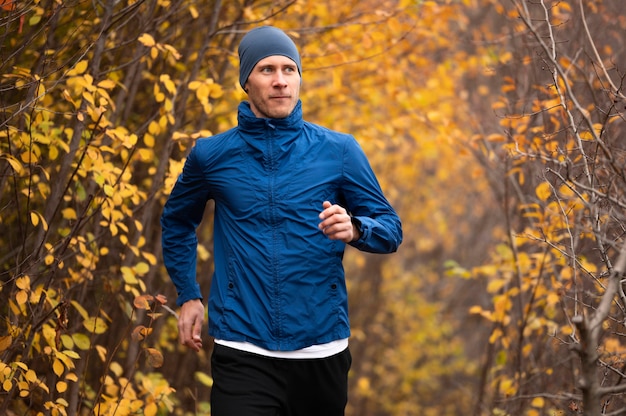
x,y
278,281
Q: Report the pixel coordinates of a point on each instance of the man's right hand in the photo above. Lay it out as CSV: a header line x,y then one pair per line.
x,y
190,322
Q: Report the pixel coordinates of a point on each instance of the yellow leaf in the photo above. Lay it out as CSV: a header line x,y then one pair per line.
x,y
588,266
168,105
108,190
475,309
61,386
67,341
505,57
95,325
57,367
154,128
364,384
133,405
566,191
495,285
116,368
612,345
5,342
552,298
598,127
49,334
216,91
172,50
538,402
495,335
145,155
80,309
34,19
41,90
586,136
15,164
178,135
148,140
107,84
151,258
147,40
29,157
43,386
543,191
64,358
129,275
21,297
508,387
151,409
203,378
30,376
142,268
23,283
34,218
7,385
102,352
72,354
78,69
69,214
81,341
168,83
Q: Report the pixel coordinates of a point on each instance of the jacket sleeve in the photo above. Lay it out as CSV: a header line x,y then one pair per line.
x,y
381,228
181,216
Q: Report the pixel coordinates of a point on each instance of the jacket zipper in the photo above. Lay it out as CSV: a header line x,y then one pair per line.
x,y
276,308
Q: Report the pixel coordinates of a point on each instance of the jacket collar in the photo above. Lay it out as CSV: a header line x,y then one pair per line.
x,y
250,123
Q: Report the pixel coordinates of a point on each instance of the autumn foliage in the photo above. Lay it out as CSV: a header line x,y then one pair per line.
x,y
495,129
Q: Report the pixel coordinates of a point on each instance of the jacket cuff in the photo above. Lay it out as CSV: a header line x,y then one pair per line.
x,y
189,295
363,232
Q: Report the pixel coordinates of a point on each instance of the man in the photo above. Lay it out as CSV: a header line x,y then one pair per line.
x,y
289,195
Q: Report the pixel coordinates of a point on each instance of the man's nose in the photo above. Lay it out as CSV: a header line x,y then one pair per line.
x,y
279,79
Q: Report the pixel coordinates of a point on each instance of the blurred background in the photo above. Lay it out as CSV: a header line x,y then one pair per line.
x,y
496,130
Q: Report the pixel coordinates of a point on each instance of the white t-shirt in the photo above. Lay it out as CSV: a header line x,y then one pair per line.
x,y
312,352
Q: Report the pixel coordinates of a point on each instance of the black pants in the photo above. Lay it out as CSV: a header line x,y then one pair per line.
x,y
246,384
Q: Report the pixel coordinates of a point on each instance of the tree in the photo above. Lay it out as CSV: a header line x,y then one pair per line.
x,y
557,307
100,103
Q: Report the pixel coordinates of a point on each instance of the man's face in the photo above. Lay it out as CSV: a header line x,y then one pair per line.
x,y
273,87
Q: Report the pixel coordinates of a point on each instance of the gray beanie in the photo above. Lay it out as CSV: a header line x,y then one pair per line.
x,y
260,43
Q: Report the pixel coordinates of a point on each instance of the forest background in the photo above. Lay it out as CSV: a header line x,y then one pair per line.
x,y
496,129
